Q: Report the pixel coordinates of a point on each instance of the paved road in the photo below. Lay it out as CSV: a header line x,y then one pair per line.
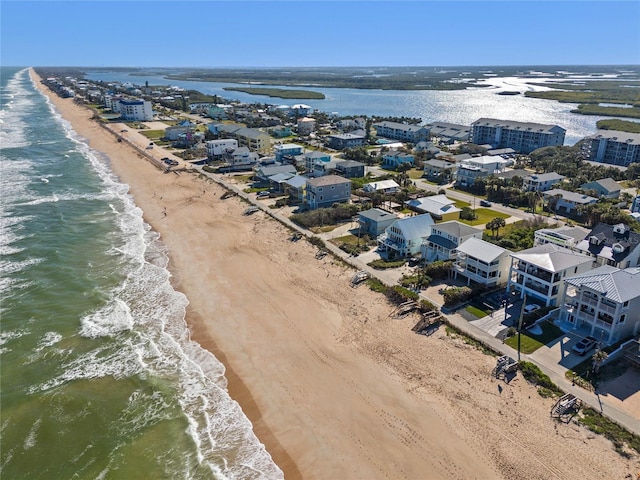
x,y
547,363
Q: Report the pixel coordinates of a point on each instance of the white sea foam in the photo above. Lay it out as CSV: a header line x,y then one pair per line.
x,y
30,440
113,318
145,319
49,339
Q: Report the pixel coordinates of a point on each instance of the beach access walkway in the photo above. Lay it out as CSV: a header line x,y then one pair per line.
x,y
555,371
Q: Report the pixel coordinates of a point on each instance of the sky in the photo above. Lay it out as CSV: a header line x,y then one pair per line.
x,y
169,33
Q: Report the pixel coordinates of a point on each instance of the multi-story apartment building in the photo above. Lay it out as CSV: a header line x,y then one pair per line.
x,y
612,147
482,262
401,131
606,300
539,272
255,140
521,136
324,191
136,110
345,140
445,238
614,245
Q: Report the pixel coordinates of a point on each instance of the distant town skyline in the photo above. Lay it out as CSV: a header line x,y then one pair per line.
x,y
319,33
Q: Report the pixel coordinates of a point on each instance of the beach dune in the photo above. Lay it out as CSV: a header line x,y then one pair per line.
x,y
335,387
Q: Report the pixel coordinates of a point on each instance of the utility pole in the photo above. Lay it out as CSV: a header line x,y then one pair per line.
x,y
524,302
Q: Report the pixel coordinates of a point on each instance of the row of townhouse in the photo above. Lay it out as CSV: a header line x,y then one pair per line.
x,y
523,137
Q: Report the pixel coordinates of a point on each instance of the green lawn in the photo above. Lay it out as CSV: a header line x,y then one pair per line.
x,y
461,203
476,311
484,216
153,134
529,342
414,174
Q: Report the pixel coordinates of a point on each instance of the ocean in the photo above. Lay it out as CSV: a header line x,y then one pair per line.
x,y
100,379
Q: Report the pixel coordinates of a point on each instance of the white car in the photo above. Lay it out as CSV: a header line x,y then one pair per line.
x,y
531,308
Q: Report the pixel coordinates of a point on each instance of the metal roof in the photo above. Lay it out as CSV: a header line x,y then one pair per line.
x,y
552,258
483,251
615,284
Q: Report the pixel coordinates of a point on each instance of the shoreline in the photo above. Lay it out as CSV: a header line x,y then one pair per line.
x,y
333,387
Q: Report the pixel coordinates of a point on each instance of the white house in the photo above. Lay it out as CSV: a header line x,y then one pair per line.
x,y
445,238
404,236
567,237
541,182
438,206
539,272
218,148
382,186
306,125
482,262
567,202
606,301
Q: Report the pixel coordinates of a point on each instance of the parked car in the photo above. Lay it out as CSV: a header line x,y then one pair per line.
x,y
531,308
263,194
584,345
485,203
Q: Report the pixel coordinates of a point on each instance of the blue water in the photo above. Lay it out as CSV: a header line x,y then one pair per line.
x,y
99,376
455,106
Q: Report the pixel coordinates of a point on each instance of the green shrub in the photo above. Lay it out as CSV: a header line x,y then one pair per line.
x,y
381,264
533,374
317,241
601,425
455,295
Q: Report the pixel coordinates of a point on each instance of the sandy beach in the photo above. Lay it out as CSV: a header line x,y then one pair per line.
x,y
335,387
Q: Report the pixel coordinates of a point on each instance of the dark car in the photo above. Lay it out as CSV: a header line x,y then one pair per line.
x,y
584,345
485,203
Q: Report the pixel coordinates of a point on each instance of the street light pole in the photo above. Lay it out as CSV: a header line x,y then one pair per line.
x,y
524,302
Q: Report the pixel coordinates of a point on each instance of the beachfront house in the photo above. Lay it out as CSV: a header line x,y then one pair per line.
x,y
439,207
323,192
541,182
382,186
349,169
539,272
395,159
173,133
263,172
604,303
345,140
216,149
445,238
482,262
614,245
604,188
374,222
241,159
523,137
295,188
562,201
404,236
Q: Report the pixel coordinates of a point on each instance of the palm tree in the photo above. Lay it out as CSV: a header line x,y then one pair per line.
x,y
598,359
495,225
